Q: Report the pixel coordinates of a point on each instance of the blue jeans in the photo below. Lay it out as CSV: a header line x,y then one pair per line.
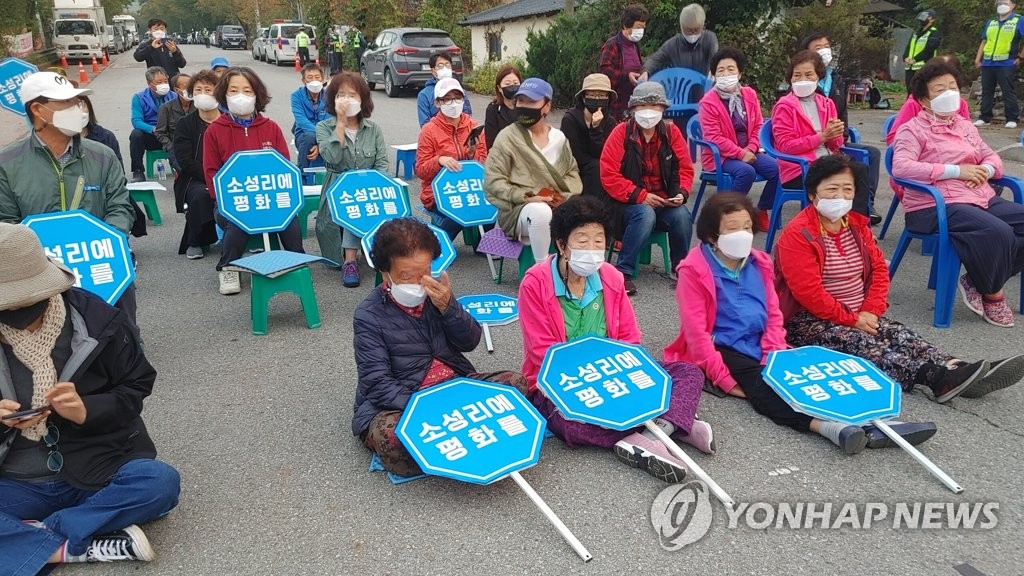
x,y
743,175
303,142
140,491
640,220
451,227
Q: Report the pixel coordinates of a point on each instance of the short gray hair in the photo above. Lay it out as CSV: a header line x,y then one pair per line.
x,y
691,16
152,72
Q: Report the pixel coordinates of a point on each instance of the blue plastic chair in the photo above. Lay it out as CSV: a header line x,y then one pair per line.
x,y
945,268
854,135
720,179
679,84
886,127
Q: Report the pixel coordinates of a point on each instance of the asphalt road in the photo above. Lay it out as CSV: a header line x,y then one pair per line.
x,y
274,483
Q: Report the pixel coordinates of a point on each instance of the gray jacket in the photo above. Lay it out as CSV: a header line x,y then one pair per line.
x,y
166,121
676,52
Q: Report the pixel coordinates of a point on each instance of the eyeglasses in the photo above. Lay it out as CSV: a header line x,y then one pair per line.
x,y
451,100
440,65
54,460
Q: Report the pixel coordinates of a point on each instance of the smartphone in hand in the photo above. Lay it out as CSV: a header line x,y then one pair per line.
x,y
25,414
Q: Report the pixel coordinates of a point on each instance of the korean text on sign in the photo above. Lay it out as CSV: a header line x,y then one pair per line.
x,y
843,377
9,89
492,307
370,202
468,192
612,374
474,426
262,192
95,257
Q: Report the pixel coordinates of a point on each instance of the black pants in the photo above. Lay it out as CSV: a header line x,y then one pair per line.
x,y
200,229
303,56
909,75
1005,76
873,167
747,372
138,143
862,195
235,240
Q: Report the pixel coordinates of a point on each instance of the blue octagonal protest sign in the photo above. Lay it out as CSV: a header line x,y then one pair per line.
x,y
831,385
493,309
471,430
438,265
13,72
259,191
604,382
460,195
361,200
96,252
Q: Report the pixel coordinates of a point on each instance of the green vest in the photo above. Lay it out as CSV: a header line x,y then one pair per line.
x,y
998,38
355,40
586,320
302,40
918,42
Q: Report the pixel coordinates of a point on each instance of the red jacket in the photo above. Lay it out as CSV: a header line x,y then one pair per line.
x,y
614,163
439,138
800,260
224,137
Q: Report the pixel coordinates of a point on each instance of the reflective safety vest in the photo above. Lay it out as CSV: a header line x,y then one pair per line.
x,y
918,42
998,38
355,40
302,40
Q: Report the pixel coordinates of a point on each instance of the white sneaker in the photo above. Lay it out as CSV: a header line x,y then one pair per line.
x,y
229,282
1010,125
980,123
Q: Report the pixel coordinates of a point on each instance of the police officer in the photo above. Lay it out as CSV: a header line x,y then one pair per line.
x,y
998,56
922,45
302,42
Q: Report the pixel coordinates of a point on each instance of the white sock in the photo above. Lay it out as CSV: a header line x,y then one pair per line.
x,y
831,430
667,427
71,558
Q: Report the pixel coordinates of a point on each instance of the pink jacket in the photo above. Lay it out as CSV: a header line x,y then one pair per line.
x,y
695,294
716,124
540,314
793,133
922,149
909,111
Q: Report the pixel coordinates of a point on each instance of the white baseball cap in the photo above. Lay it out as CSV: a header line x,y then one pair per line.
x,y
443,87
49,85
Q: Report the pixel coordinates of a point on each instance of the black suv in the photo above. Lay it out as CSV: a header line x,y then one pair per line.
x,y
399,57
231,36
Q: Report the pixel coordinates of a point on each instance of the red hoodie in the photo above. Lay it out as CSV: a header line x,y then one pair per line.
x,y
225,137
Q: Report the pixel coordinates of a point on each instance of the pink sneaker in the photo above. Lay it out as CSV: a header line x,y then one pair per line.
x,y
971,296
639,451
700,437
998,313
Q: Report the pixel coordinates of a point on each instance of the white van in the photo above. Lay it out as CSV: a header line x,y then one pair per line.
x,y
280,47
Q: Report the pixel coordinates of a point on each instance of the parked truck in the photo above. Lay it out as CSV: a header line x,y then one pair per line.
x,y
80,29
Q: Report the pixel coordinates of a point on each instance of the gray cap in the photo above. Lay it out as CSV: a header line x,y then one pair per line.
x,y
649,93
926,14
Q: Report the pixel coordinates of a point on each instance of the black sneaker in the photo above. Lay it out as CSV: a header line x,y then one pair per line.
x,y
1001,374
630,287
852,440
138,176
913,432
954,381
127,544
875,218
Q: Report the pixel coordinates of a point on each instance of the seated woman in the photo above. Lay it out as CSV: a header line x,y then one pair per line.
x,y
200,230
940,148
646,167
730,118
833,286
529,167
410,333
501,112
346,140
805,123
730,320
587,126
574,293
911,107
450,136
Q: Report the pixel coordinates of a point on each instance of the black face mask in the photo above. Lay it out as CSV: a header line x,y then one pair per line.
x,y
23,317
509,92
527,117
595,104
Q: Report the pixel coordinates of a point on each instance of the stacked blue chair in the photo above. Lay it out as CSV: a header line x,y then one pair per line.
x,y
679,83
886,127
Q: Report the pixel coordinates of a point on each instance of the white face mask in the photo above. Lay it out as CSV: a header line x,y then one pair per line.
x,y
946,103
692,38
804,88
443,73
736,245
826,55
348,107
241,104
1002,9
453,110
315,86
408,295
205,102
637,34
834,208
184,95
70,121
163,89
585,262
647,118
159,34
727,83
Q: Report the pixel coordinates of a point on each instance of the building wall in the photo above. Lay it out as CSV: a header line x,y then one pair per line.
x,y
513,37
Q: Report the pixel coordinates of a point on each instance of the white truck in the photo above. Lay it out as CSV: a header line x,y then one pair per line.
x,y
128,21
80,29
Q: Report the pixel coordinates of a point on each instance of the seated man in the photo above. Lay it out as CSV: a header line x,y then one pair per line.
x,y
440,68
146,105
78,476
646,167
308,107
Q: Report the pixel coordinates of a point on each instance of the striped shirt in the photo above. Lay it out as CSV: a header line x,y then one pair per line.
x,y
843,275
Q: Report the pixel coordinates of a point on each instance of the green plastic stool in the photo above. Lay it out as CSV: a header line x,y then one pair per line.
x,y
151,157
264,288
148,200
256,242
659,238
471,236
310,204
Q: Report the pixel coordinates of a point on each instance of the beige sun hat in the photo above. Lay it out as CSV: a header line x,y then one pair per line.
x,y
597,82
27,275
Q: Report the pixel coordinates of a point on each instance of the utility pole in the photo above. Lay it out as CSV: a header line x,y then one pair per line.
x,y
570,7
